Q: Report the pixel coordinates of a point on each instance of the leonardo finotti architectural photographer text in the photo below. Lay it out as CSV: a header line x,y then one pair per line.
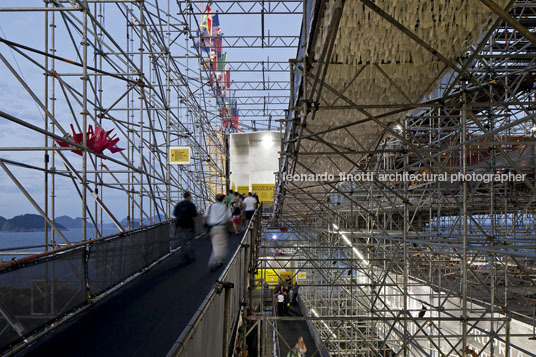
x,y
407,177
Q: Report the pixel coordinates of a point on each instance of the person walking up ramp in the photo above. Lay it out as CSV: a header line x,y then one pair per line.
x,y
251,205
216,217
185,213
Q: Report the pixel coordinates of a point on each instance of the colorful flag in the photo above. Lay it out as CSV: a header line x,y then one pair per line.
x,y
216,29
216,45
206,23
211,40
234,113
203,39
235,121
214,63
222,63
234,108
216,36
227,78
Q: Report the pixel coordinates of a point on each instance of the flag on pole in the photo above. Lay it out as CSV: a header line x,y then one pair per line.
x,y
207,19
234,108
217,45
221,75
211,41
227,78
216,35
204,35
202,41
222,63
235,117
216,29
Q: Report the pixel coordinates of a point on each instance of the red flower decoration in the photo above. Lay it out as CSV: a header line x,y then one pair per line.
x,y
98,140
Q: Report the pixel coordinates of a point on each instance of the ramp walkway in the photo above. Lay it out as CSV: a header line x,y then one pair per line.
x,y
291,330
142,319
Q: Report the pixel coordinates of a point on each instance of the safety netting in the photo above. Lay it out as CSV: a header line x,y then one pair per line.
x,y
40,291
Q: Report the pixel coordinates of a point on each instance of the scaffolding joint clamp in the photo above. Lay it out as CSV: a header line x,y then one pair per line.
x,y
220,285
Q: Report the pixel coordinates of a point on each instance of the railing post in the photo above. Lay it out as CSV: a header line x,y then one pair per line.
x,y
253,252
226,314
244,303
251,272
259,330
85,263
249,246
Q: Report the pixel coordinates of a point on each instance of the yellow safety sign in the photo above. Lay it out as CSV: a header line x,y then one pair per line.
x,y
243,189
179,155
264,191
268,276
286,276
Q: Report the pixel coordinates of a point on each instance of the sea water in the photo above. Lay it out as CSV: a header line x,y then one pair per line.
x,y
22,239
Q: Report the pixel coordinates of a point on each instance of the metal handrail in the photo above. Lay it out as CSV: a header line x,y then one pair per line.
x,y
29,336
36,257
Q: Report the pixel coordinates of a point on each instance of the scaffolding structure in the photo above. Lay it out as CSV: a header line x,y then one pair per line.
x,y
404,266
131,84
130,66
413,266
134,67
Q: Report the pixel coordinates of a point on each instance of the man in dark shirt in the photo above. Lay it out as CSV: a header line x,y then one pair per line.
x,y
295,291
185,213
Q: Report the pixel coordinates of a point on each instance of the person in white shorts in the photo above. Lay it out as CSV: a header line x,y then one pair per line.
x,y
250,204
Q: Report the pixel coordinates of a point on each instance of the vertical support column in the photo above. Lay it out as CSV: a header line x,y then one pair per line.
x,y
405,251
142,99
95,98
291,98
493,221
464,216
430,216
52,109
438,220
46,160
168,113
84,124
52,183
251,263
45,203
506,284
227,138
98,171
259,322
244,298
130,135
304,58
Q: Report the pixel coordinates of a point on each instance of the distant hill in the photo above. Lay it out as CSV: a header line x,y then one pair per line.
x,y
27,223
69,222
36,223
145,221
